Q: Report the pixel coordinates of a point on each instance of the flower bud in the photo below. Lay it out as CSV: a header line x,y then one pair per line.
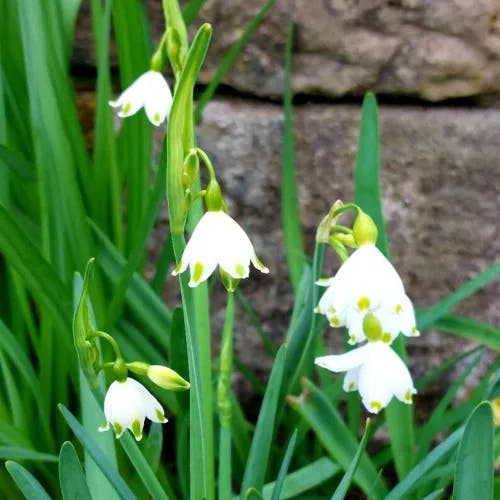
x,y
174,46
325,226
190,169
364,229
166,378
138,367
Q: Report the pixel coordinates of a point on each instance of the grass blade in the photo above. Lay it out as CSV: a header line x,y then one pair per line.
x,y
20,453
71,476
316,409
88,443
26,482
260,448
344,484
475,461
290,217
306,478
278,486
406,486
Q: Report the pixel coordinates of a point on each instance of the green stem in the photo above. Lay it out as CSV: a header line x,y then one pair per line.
x,y
208,164
224,401
111,340
200,377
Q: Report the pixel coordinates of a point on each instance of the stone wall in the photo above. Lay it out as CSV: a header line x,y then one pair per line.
x,y
440,162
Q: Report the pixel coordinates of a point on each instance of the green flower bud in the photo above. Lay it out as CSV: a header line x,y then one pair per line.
x,y
364,229
174,47
166,378
325,226
138,367
190,169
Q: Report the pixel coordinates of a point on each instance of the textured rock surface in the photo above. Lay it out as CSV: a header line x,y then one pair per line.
x,y
440,184
431,49
434,50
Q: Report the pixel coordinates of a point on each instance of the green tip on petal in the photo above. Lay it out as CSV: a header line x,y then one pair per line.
x,y
156,118
334,321
375,406
160,416
240,270
197,272
104,427
351,387
259,265
126,108
409,397
398,309
363,303
118,428
136,430
386,337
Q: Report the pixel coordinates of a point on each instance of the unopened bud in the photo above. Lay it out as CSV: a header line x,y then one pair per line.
x,y
174,50
372,327
166,378
364,229
190,169
138,367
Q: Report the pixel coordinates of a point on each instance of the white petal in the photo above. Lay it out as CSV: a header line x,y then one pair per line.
x,y
158,100
374,388
132,98
344,362
351,380
354,324
201,270
333,304
152,407
122,404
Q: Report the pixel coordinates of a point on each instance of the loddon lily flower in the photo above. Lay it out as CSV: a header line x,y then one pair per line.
x,y
150,91
374,370
126,406
218,240
368,283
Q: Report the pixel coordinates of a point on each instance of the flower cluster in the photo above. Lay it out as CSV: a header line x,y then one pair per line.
x,y
368,298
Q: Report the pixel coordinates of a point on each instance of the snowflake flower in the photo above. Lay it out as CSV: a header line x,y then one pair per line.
x,y
218,240
368,283
374,370
127,404
150,91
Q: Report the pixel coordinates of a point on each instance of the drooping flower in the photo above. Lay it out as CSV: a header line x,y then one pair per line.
x,y
368,283
126,406
150,91
374,370
218,240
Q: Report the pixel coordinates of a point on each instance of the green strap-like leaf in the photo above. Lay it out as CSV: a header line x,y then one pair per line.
x,y
26,482
71,475
100,459
260,448
475,461
278,486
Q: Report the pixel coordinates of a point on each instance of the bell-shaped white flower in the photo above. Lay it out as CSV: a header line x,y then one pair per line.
x,y
368,283
150,91
127,404
374,370
218,240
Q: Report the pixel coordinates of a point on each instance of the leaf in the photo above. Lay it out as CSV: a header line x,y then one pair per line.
x,y
316,409
100,459
26,482
292,231
17,164
191,10
306,478
260,448
278,486
341,490
406,486
475,461
20,453
471,329
142,467
71,475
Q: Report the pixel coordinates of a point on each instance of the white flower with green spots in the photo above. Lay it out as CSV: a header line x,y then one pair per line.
x,y
126,406
374,370
150,91
218,240
368,283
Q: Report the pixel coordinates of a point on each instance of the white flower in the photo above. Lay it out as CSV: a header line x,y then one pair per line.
x,y
367,282
218,240
127,404
374,370
150,91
